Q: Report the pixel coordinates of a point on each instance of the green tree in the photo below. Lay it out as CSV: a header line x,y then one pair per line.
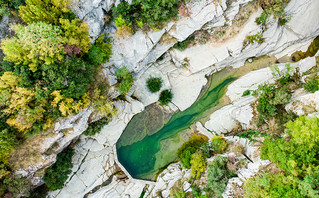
x,y
154,84
272,185
190,147
218,144
57,174
125,78
218,176
165,97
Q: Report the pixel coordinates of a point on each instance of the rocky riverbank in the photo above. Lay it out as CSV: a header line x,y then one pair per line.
x,y
184,72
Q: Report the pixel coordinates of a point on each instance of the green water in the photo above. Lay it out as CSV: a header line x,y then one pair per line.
x,y
145,157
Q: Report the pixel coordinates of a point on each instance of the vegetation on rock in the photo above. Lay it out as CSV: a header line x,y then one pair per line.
x,y
125,80
154,84
141,13
165,97
57,174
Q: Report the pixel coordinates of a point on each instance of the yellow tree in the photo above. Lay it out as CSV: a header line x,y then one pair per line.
x,y
76,33
34,44
48,11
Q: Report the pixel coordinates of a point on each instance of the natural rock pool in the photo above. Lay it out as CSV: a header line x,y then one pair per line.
x,y
148,144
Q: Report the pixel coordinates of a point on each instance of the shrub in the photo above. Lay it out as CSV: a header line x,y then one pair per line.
x,y
17,185
57,174
246,93
165,97
218,144
256,38
148,12
198,164
34,44
190,147
218,176
262,19
101,51
125,78
184,44
96,127
271,185
312,85
154,84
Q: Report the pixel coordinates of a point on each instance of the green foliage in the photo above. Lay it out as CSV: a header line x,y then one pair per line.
x,y
17,185
246,93
184,44
197,192
218,176
76,33
250,135
298,155
125,78
256,38
101,51
271,185
180,194
34,44
165,97
262,19
72,77
265,94
275,8
6,6
96,127
154,84
190,147
312,85
48,11
57,174
218,144
283,76
151,13
198,164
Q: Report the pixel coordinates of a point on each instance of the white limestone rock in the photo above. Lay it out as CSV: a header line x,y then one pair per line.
x,y
227,118
142,92
186,87
303,101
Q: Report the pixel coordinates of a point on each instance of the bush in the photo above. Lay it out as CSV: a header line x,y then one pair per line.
x,y
154,84
125,78
96,127
17,185
165,97
184,44
271,185
101,51
246,93
152,13
218,176
57,174
190,147
312,85
198,164
262,19
256,38
218,144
